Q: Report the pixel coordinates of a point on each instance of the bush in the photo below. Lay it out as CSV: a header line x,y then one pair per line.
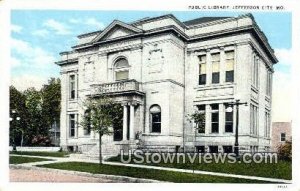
x,y
285,151
41,140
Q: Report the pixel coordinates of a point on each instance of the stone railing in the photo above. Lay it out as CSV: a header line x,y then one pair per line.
x,y
115,87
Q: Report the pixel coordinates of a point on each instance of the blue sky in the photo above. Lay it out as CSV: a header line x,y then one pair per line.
x,y
39,36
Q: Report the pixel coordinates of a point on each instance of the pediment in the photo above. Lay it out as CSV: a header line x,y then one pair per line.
x,y
116,29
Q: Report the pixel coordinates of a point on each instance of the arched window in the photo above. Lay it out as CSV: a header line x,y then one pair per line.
x,y
121,69
87,116
155,118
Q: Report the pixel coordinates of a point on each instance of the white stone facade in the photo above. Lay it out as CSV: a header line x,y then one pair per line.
x,y
152,68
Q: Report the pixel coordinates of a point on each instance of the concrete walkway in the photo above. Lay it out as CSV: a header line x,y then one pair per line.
x,y
60,159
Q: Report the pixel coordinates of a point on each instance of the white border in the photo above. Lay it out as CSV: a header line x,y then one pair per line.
x,y
162,5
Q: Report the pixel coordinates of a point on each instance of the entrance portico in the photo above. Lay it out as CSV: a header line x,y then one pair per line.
x,y
128,94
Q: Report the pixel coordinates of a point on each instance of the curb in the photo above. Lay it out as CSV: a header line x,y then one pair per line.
x,y
126,179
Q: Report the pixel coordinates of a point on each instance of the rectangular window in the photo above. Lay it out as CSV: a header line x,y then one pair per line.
x,y
282,137
214,118
202,70
229,66
267,124
215,58
255,71
228,119
72,87
156,122
201,127
72,124
253,119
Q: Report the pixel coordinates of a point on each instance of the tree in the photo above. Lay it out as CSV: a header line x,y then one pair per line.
x,y
35,122
285,151
51,96
199,119
17,111
100,116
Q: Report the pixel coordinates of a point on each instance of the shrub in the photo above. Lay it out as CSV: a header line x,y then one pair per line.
x,y
285,151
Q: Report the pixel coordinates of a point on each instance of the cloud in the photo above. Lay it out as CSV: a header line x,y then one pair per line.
x,y
94,23
282,97
30,56
16,28
57,27
26,81
15,62
91,22
41,32
284,56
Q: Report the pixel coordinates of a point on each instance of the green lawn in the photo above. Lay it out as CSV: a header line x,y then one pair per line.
x,y
281,170
48,154
20,160
145,173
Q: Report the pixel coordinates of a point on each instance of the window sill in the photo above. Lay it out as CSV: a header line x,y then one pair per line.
x,y
213,86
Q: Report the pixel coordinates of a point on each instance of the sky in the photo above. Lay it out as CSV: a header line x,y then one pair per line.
x,y
37,38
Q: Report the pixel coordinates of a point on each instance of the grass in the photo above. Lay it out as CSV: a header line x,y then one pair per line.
x,y
281,170
161,175
21,160
35,153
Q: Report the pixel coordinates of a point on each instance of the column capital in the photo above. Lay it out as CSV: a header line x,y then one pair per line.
x,y
133,103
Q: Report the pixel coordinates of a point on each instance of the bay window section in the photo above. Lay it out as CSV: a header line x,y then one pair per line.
x,y
214,118
202,70
229,66
215,68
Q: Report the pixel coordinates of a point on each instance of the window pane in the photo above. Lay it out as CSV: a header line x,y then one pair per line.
x,y
215,67
215,117
121,63
214,106
229,116
156,127
229,76
202,79
122,75
216,77
202,69
215,127
229,127
229,65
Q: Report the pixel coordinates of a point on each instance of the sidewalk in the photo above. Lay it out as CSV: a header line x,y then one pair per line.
x,y
58,160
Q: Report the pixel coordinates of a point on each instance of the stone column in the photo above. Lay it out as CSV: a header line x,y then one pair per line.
x,y
131,124
125,122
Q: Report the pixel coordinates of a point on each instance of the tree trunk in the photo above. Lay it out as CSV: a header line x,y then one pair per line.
x,y
100,149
